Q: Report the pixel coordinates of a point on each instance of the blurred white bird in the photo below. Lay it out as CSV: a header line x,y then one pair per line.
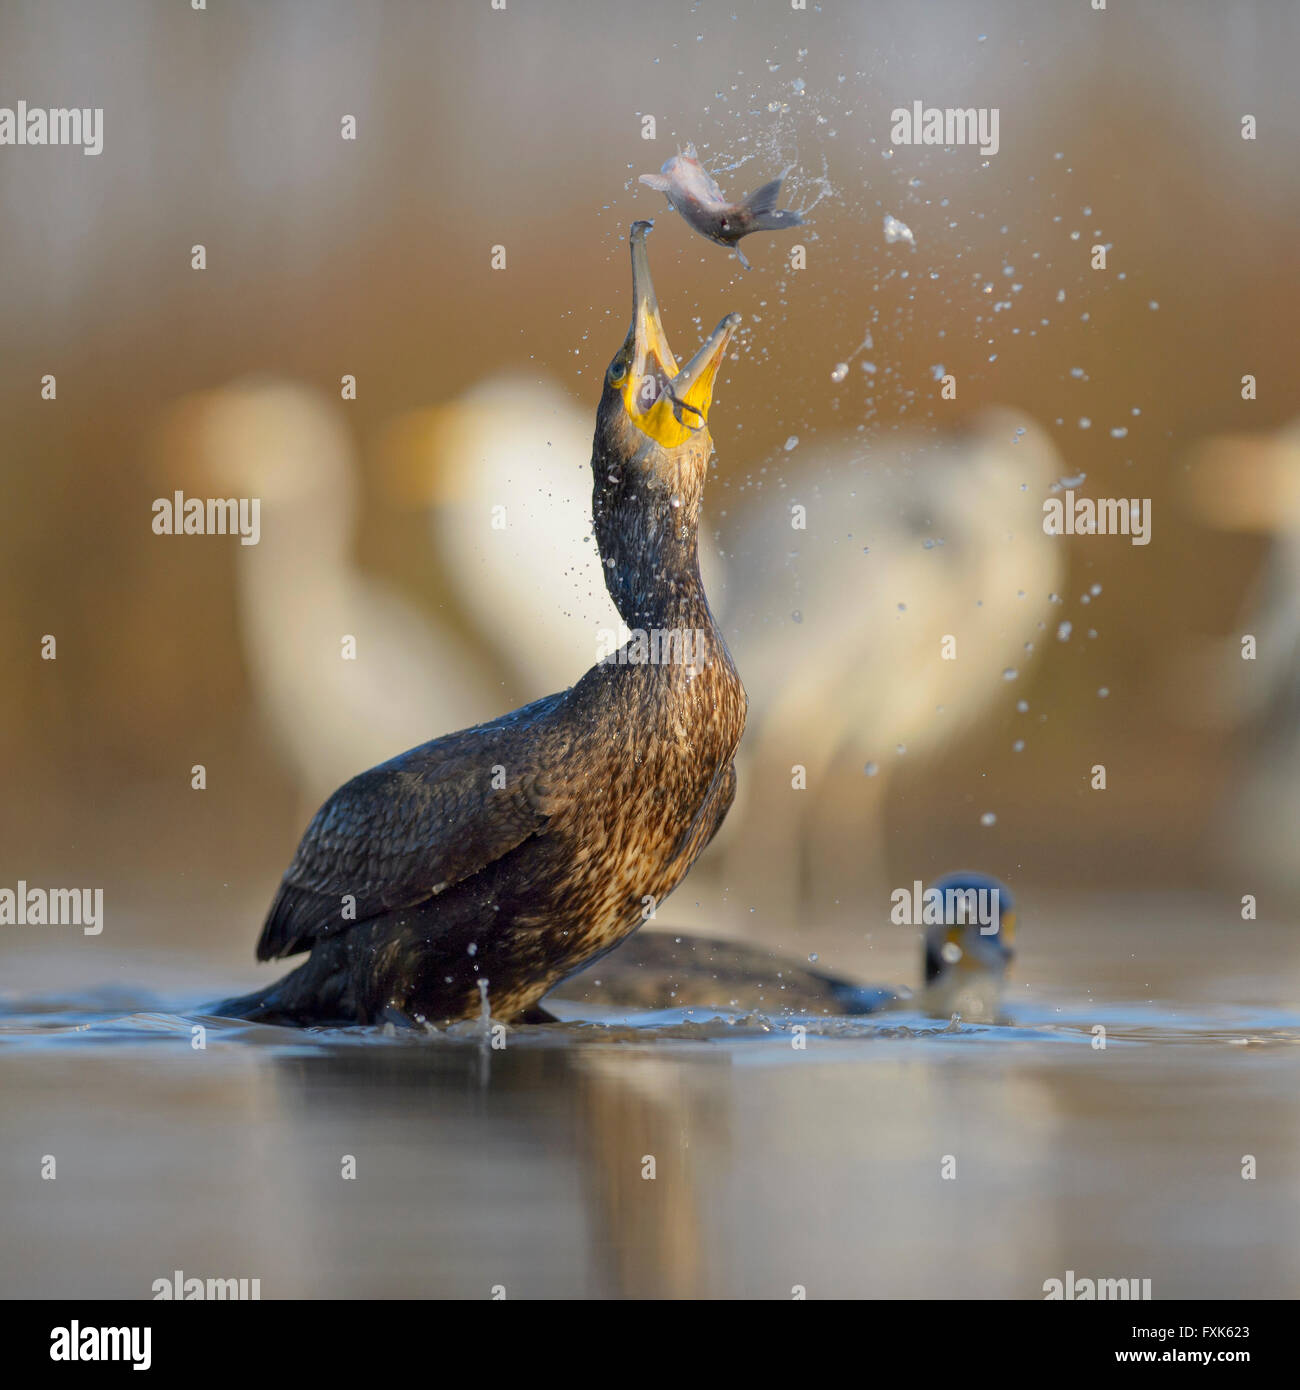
x,y
506,471
875,603
301,592
1251,484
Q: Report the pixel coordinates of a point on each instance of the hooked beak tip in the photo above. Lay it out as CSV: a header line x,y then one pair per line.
x,y
648,336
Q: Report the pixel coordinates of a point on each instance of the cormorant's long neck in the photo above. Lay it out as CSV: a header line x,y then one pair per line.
x,y
649,550
646,516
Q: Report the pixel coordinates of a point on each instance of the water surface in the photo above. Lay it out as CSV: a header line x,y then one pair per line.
x,y
775,1165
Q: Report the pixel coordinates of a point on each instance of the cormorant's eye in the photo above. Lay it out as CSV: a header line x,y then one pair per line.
x,y
617,370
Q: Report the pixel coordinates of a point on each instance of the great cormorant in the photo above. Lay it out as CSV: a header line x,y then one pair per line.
x,y
502,858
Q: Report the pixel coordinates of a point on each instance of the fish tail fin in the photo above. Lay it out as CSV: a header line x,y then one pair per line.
x,y
763,211
763,200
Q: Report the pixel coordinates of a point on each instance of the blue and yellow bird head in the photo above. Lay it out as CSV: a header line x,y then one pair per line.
x,y
967,955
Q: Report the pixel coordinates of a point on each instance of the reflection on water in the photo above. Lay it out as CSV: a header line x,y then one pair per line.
x,y
774,1165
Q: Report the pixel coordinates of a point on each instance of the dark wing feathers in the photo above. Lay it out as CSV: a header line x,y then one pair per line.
x,y
401,833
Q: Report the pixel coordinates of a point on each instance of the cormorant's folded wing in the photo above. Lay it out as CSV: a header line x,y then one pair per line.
x,y
403,832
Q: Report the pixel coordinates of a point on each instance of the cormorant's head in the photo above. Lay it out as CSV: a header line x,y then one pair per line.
x,y
647,398
967,954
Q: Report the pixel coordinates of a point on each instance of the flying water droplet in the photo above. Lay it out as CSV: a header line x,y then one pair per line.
x,y
895,230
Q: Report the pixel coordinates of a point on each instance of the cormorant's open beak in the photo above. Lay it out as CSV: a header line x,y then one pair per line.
x,y
667,404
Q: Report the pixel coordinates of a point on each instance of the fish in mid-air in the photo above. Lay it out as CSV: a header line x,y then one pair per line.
x,y
692,190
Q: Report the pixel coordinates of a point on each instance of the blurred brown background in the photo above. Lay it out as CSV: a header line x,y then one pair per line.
x,y
523,128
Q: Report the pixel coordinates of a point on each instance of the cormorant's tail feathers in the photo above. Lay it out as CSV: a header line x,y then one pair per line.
x,y
315,994
262,1006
